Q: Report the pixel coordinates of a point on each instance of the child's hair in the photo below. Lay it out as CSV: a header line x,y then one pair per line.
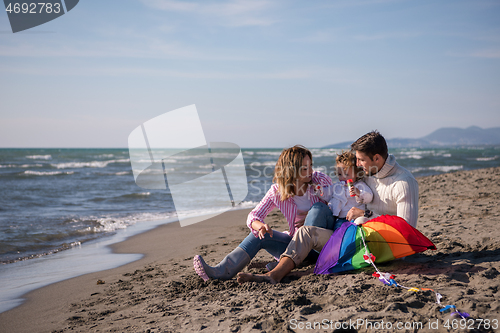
x,y
348,158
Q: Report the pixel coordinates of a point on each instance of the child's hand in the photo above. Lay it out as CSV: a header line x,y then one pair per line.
x,y
318,190
354,191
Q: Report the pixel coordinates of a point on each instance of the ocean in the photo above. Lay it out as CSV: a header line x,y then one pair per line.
x,y
60,206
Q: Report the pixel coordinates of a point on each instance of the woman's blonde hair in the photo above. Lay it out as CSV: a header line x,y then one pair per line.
x,y
287,170
348,158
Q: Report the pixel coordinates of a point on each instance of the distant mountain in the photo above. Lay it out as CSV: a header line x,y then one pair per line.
x,y
446,136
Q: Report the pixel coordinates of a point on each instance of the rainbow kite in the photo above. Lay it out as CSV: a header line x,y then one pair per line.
x,y
387,237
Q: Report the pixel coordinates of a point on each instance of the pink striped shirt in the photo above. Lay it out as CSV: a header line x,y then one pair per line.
x,y
288,207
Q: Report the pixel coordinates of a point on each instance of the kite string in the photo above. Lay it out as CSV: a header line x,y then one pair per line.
x,y
391,281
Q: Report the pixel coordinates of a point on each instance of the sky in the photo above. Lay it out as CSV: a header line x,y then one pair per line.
x,y
261,73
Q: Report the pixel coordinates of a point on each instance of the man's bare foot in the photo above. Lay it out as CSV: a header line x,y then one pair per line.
x,y
248,277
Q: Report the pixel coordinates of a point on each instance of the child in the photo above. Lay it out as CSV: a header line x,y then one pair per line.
x,y
340,199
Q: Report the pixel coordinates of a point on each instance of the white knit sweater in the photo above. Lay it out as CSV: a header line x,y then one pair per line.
x,y
395,192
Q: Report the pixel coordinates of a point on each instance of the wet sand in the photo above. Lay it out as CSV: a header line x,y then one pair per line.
x,y
162,293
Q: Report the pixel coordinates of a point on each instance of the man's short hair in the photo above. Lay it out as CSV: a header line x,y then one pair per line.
x,y
371,144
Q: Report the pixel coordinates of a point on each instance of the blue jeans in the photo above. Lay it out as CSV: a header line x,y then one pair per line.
x,y
321,216
275,245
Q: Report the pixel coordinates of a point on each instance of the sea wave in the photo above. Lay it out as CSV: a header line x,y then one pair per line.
x,y
447,168
114,223
40,157
120,173
91,164
272,153
414,156
136,195
419,154
47,173
257,164
22,166
439,168
485,159
331,152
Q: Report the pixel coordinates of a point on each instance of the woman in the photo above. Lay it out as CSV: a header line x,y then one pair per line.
x,y
293,195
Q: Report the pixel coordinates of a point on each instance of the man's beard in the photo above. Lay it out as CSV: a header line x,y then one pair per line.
x,y
373,170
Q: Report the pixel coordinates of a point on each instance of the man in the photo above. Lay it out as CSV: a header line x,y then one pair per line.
x,y
395,192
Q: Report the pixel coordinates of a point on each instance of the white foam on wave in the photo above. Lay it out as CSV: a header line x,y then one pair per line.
x,y
111,224
77,165
39,157
414,156
439,168
447,168
213,210
208,166
485,159
92,164
257,164
48,173
272,153
419,154
330,152
22,166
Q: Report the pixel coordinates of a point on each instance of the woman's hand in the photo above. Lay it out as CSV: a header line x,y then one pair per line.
x,y
300,223
265,229
262,229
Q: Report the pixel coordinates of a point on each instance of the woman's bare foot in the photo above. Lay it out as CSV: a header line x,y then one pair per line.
x,y
248,277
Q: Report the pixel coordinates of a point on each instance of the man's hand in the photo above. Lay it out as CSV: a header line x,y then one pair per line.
x,y
354,213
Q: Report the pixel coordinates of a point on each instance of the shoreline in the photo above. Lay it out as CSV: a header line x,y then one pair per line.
x,y
46,303
167,259
24,276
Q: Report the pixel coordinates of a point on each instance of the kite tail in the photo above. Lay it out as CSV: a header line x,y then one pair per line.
x,y
388,279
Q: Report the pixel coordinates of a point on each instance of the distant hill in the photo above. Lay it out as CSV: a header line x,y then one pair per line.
x,y
446,136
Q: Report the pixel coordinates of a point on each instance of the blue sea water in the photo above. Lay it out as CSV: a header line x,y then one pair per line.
x,y
53,200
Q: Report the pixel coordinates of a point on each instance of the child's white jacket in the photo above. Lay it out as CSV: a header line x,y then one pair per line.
x,y
339,199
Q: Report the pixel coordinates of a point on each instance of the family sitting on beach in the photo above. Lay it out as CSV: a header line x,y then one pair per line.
x,y
314,207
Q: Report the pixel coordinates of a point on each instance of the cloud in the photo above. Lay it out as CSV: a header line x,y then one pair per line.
x,y
485,54
389,35
172,5
228,12
320,36
326,74
489,54
360,3
143,47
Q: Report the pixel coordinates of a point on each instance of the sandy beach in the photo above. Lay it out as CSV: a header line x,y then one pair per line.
x,y
162,293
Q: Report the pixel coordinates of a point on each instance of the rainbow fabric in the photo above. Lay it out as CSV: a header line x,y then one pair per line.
x,y
387,237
